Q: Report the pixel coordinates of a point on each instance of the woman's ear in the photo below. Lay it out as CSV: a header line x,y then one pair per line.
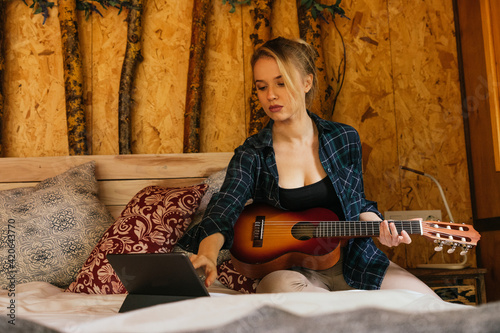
x,y
308,81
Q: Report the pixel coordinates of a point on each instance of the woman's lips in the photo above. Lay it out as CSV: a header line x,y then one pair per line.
x,y
275,108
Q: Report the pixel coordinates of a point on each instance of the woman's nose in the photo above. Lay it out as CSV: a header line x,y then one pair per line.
x,y
270,94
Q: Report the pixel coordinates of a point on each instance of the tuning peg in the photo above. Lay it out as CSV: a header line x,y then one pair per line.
x,y
452,249
465,249
439,246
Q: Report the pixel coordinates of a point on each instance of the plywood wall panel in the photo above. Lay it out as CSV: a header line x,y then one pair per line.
x,y
223,101
107,38
429,119
284,19
160,89
35,116
366,100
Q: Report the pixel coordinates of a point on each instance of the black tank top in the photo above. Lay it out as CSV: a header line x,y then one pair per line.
x,y
320,194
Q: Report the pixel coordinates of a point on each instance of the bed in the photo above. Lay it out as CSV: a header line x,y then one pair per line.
x,y
59,214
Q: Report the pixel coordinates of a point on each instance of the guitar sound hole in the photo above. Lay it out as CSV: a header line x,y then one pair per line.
x,y
303,231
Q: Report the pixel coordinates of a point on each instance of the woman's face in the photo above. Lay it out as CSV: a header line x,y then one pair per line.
x,y
274,97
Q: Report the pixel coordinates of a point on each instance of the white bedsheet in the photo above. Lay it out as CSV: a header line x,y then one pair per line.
x,y
69,312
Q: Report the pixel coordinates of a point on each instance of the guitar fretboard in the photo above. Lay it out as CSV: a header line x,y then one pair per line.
x,y
363,228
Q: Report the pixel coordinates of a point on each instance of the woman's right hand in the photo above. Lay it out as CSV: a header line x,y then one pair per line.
x,y
207,257
208,265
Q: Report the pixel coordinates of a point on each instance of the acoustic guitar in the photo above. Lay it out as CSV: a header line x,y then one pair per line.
x,y
268,239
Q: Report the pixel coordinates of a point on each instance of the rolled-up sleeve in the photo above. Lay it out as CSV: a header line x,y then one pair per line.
x,y
226,205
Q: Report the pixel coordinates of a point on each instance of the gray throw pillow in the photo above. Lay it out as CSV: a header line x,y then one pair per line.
x,y
48,231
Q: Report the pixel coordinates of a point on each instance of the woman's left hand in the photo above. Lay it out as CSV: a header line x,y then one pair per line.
x,y
389,235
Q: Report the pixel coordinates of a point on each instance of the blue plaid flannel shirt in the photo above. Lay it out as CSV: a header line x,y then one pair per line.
x,y
252,174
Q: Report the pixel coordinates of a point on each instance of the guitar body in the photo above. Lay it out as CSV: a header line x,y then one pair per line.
x,y
286,241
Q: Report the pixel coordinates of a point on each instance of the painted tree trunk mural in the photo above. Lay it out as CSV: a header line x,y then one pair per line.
x,y
310,31
2,68
261,16
339,73
196,68
73,78
133,57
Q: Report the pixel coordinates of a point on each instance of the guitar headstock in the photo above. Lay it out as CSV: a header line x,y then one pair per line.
x,y
452,234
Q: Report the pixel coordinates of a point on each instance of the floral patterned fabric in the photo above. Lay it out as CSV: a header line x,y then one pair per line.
x,y
152,222
47,231
234,280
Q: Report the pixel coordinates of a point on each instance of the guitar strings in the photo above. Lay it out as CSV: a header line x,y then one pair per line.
x,y
331,228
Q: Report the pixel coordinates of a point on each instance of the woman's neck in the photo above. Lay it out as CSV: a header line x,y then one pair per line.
x,y
297,129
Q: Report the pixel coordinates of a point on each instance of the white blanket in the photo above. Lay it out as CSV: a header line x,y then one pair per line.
x,y
68,312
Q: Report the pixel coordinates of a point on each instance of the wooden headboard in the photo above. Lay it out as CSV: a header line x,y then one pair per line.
x,y
120,177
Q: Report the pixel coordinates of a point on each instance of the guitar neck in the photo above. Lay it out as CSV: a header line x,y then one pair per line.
x,y
363,228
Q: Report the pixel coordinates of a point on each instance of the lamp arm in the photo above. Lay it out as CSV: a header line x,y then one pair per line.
x,y
438,185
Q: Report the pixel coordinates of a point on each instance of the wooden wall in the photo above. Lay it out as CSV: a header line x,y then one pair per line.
x,y
478,21
401,92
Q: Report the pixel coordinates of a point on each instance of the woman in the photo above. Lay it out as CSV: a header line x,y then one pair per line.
x,y
299,161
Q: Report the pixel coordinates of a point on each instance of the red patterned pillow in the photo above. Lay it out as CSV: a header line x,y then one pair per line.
x,y
234,280
152,222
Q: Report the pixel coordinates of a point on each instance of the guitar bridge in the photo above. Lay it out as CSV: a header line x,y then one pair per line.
x,y
258,231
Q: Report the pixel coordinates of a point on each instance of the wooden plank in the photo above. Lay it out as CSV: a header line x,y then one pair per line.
x,y
223,107
107,38
115,166
9,186
120,192
115,210
35,112
369,68
486,179
490,12
160,84
429,124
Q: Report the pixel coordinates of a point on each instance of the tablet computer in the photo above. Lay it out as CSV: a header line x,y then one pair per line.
x,y
156,278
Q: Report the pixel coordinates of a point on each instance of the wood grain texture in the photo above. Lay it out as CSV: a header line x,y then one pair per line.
x,y
429,121
490,14
223,111
115,167
366,100
160,90
104,42
196,70
133,57
486,180
490,247
73,78
35,112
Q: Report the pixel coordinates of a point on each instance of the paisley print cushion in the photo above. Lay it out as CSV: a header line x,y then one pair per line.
x,y
47,231
152,222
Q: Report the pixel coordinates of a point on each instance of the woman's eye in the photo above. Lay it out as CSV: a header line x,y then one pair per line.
x,y
261,88
281,84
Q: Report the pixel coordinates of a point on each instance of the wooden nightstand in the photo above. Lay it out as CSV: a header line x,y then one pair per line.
x,y
455,285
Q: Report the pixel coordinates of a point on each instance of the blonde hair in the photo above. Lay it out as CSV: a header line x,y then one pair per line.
x,y
291,56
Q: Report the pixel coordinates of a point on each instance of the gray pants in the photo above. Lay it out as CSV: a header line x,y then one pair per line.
x,y
304,279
